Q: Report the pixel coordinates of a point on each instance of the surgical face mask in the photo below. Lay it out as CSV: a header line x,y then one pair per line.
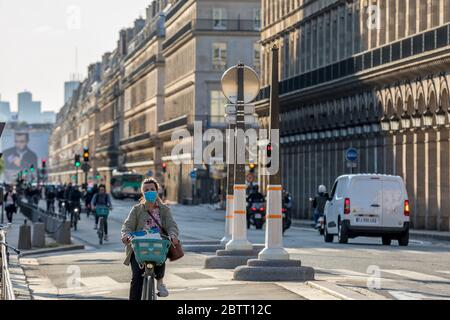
x,y
150,196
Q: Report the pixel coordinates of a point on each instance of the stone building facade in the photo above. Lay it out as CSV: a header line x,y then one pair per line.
x,y
163,75
368,74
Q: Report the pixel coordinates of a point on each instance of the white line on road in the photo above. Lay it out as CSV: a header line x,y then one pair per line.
x,y
405,295
413,275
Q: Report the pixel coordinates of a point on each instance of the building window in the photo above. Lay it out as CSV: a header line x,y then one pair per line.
x,y
218,102
257,57
257,19
219,61
219,19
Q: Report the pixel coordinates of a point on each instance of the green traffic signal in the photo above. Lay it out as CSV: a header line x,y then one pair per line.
x,y
32,168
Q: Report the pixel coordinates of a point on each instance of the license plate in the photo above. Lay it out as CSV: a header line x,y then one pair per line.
x,y
258,216
368,220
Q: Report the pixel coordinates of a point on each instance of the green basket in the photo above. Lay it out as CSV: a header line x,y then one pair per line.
x,y
150,250
102,211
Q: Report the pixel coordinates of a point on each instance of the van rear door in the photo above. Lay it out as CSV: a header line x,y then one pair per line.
x,y
393,202
366,201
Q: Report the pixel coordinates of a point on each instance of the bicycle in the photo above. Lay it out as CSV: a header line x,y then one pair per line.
x,y
51,206
74,215
150,253
102,213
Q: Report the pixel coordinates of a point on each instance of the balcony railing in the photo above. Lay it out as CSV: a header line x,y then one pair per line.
x,y
213,25
225,25
409,47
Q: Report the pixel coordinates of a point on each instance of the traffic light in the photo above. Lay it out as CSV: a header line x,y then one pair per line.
x,y
44,164
164,167
269,155
77,161
252,167
32,168
86,154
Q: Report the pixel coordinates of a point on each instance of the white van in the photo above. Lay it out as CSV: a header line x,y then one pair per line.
x,y
370,205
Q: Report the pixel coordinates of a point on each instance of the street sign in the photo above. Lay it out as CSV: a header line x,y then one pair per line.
x,y
351,164
250,118
351,154
193,174
231,109
150,173
250,177
230,119
230,87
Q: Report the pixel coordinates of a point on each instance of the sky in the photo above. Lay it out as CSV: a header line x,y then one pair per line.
x,y
39,40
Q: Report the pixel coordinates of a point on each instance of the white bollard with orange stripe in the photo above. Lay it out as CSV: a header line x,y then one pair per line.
x,y
228,220
239,230
274,226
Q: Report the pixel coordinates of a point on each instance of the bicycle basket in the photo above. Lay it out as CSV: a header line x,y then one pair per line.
x,y
150,250
102,211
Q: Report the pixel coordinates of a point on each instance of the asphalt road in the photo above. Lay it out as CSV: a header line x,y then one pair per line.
x,y
362,269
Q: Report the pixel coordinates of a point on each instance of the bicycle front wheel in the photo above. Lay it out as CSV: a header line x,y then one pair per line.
x,y
101,229
148,288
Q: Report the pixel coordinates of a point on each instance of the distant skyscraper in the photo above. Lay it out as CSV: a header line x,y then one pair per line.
x,y
5,111
48,117
29,110
69,88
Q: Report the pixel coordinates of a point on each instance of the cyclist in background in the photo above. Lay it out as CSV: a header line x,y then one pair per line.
x,y
101,199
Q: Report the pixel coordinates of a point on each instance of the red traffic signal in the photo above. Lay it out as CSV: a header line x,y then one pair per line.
x,y
164,167
44,163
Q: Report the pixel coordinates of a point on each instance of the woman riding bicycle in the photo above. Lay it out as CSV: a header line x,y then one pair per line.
x,y
141,218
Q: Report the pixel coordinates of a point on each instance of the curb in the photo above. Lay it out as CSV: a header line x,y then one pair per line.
x,y
53,250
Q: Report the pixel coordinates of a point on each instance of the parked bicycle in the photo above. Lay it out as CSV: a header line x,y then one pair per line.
x,y
149,253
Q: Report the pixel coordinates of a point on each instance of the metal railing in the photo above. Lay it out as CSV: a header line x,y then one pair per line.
x,y
7,291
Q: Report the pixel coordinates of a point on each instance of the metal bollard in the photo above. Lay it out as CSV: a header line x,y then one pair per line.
x,y
39,235
64,233
24,237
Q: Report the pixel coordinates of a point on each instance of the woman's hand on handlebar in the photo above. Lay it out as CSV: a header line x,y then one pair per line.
x,y
126,239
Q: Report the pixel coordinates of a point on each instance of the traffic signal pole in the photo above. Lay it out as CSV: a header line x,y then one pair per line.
x,y
274,223
239,231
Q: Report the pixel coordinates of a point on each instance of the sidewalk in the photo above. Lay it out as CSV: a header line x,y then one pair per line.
x,y
18,278
416,234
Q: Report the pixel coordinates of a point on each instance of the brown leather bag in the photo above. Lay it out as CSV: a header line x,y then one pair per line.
x,y
175,251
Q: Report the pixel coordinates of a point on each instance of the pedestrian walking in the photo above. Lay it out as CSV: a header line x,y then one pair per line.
x,y
10,200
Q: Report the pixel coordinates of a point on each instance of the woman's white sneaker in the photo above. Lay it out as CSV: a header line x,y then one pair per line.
x,y
162,291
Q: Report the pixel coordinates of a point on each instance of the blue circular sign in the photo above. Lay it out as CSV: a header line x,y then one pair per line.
x,y
150,173
351,154
193,174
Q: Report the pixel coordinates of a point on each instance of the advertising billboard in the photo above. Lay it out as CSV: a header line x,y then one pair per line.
x,y
22,148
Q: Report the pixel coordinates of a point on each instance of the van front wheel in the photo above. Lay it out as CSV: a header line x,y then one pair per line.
x,y
328,237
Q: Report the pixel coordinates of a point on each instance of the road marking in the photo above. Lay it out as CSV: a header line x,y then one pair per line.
x,y
405,295
99,282
307,292
413,275
443,271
